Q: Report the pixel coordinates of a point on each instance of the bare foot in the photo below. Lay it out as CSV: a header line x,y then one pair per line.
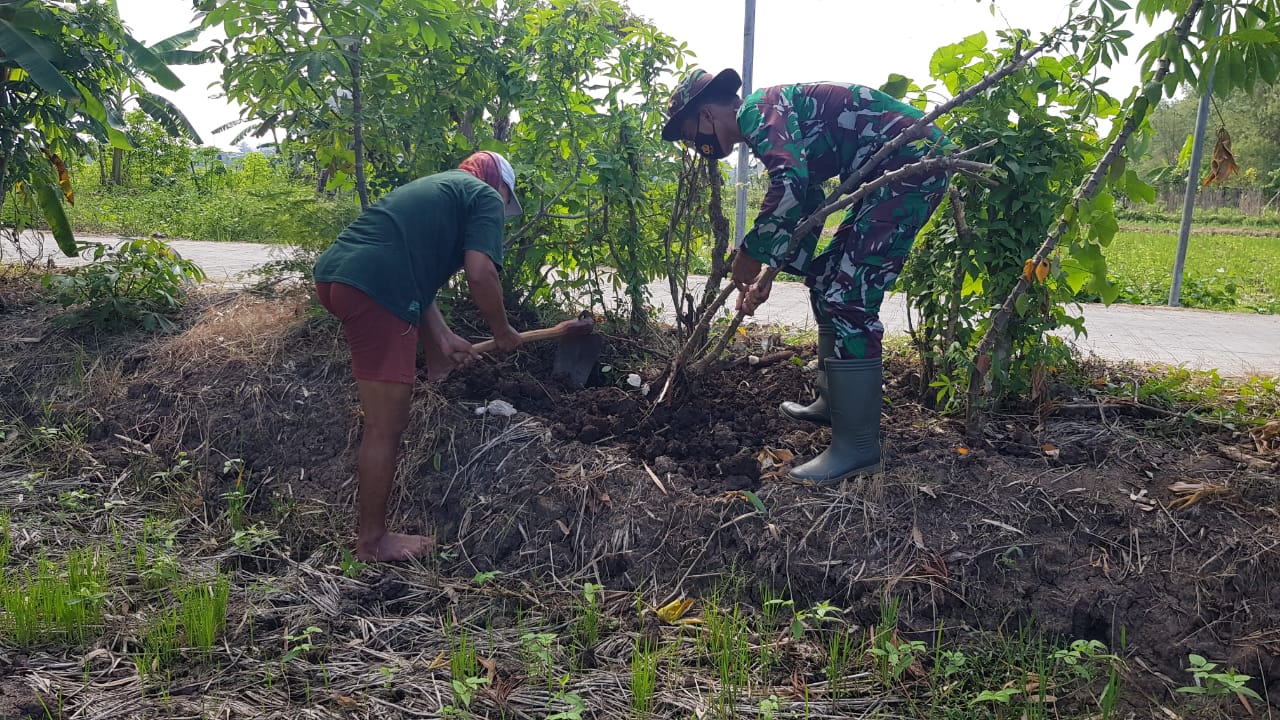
x,y
394,547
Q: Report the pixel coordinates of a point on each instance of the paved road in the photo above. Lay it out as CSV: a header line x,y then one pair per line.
x,y
1233,343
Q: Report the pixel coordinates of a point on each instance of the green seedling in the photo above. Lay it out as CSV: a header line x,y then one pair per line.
x,y
587,629
464,693
251,538
1211,682
644,676
176,474
463,662
159,645
389,675
841,648
57,600
238,498
539,653
482,578
577,707
351,567
299,644
203,611
727,642
6,543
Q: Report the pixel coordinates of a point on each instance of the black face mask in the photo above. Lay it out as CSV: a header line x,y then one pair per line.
x,y
708,144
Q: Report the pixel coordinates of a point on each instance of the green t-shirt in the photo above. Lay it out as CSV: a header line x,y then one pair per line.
x,y
406,246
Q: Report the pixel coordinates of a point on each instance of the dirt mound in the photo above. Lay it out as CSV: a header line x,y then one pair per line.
x,y
1058,520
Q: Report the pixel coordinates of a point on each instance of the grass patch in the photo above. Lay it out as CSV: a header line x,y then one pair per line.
x,y
1223,272
54,600
203,611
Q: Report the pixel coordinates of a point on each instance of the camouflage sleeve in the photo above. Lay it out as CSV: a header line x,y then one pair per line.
x,y
772,130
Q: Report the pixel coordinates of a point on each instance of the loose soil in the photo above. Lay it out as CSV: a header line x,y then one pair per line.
x,y
1061,522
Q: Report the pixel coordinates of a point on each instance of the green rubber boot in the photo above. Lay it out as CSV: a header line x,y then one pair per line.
x,y
816,411
853,398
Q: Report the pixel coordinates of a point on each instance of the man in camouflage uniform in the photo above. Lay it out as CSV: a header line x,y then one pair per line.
x,y
805,135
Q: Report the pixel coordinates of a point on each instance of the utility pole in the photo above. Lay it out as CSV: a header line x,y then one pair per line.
x,y
748,58
1193,185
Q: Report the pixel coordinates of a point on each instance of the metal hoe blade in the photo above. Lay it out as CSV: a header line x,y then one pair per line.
x,y
576,357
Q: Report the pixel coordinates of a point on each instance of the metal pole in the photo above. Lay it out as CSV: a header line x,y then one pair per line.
x,y
748,57
1193,184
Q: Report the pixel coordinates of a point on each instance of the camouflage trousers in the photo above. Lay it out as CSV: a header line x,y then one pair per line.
x,y
848,282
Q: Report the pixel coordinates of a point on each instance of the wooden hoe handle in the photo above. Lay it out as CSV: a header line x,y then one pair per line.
x,y
580,326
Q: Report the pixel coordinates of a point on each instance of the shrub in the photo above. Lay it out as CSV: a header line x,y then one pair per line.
x,y
138,283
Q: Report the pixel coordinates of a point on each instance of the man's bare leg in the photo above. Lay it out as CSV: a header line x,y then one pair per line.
x,y
386,415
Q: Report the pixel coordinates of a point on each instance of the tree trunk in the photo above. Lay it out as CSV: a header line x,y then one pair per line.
x,y
357,120
117,166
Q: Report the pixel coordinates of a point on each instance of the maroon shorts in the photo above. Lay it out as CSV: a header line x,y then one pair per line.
x,y
383,347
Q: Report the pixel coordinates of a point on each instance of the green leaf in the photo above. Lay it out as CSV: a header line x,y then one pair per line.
x,y
896,86
756,502
150,63
23,48
50,198
175,42
1136,189
169,116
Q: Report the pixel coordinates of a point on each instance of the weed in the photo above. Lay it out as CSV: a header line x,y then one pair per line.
x,y
464,693
1213,683
462,660
841,647
726,641
59,600
892,656
482,578
6,544
539,655
174,475
251,538
351,567
299,644
389,675
204,611
644,676
238,498
159,645
587,629
577,706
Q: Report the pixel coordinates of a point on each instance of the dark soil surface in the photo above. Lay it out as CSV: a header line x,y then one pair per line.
x,y
1063,522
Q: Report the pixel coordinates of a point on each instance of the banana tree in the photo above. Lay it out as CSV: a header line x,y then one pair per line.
x,y
57,62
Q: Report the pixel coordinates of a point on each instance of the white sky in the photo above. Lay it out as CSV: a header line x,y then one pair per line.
x,y
859,41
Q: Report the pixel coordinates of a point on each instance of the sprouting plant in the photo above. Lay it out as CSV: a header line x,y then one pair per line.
x,y
644,676
351,567
389,676
75,500
892,656
175,474
768,708
574,711
253,537
1213,683
296,645
1009,557
238,498
464,693
58,599
159,644
483,578
203,611
1084,656
727,641
587,630
1003,696
6,543
840,649
538,652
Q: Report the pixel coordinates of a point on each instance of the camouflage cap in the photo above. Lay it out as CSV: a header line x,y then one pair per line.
x,y
694,85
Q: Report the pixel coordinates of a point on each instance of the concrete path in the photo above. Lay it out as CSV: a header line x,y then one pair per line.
x,y
1233,343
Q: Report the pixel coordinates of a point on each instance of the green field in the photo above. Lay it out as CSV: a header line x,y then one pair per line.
x,y
1223,272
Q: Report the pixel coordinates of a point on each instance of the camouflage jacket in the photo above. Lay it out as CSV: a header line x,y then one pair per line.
x,y
806,134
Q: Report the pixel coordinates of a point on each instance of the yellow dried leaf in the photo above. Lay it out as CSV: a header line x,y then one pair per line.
x,y
1042,271
962,450
1224,164
1027,269
674,610
440,661
345,701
